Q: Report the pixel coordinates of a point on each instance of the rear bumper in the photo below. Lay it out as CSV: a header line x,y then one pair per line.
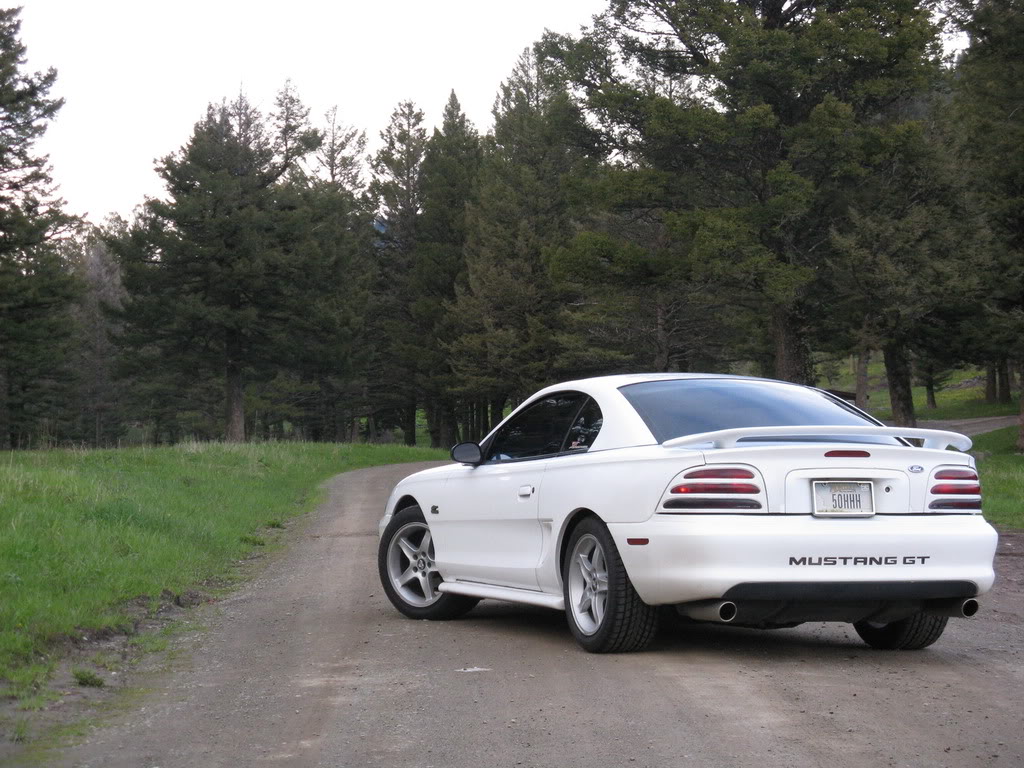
x,y
801,557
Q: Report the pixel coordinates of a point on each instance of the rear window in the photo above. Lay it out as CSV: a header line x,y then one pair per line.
x,y
681,407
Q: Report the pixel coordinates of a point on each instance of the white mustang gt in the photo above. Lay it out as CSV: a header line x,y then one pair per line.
x,y
735,500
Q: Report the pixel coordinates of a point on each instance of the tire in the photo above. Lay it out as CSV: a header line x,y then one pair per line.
x,y
408,573
604,612
909,634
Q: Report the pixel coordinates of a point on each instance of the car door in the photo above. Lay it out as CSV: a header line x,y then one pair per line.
x,y
486,529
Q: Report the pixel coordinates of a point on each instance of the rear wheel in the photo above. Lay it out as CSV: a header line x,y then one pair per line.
x,y
405,561
909,634
605,613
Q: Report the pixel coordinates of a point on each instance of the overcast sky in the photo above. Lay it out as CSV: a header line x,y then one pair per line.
x,y
137,74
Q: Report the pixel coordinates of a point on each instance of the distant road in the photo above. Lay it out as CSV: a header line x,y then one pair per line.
x,y
309,665
971,427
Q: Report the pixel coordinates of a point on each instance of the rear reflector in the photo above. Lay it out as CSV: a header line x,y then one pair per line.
x,y
956,504
637,542
948,489
698,504
720,474
956,474
847,454
716,488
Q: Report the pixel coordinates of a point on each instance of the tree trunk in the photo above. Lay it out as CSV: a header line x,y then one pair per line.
x,y
5,410
234,402
791,361
1003,381
897,371
434,426
497,411
481,420
990,383
929,390
409,423
861,377
1020,436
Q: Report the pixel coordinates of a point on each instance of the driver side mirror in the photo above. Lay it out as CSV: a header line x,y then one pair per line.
x,y
467,453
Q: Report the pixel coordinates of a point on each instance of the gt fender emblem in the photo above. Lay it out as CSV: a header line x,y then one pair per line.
x,y
915,468
434,510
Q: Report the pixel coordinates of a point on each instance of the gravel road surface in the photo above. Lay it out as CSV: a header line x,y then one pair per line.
x,y
308,665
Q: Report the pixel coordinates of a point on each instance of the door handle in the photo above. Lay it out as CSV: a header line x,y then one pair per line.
x,y
525,490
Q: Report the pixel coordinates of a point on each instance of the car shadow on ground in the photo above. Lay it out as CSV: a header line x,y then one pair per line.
x,y
833,640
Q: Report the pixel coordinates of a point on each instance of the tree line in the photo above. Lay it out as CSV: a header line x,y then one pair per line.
x,y
752,186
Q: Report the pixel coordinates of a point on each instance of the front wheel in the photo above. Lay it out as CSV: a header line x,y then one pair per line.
x,y
405,561
605,613
909,634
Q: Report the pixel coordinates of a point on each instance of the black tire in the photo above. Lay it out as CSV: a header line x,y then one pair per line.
x,y
437,606
909,634
627,623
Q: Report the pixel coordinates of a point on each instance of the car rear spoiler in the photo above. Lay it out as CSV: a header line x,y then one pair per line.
x,y
728,438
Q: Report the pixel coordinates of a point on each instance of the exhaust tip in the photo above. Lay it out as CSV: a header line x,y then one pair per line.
x,y
969,607
727,611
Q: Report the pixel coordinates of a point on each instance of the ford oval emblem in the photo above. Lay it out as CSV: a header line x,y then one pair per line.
x,y
915,468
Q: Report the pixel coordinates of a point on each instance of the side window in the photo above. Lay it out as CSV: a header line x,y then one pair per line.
x,y
584,429
540,430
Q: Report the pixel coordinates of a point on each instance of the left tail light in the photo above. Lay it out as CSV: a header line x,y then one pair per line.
x,y
715,489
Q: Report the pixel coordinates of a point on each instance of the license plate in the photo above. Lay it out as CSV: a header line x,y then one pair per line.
x,y
843,498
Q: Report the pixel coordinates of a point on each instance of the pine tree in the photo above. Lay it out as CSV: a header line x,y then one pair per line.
x,y
509,307
397,188
35,284
449,170
212,274
989,109
713,99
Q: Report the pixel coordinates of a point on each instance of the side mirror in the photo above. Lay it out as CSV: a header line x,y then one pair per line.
x,y
467,453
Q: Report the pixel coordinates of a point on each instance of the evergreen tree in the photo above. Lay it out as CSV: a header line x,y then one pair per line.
x,y
510,308
35,284
450,165
989,108
397,188
712,99
212,273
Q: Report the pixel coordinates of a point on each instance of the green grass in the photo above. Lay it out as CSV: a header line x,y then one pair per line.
x,y
1002,476
87,678
82,533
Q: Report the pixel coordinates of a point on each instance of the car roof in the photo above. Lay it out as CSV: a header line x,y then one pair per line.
x,y
614,381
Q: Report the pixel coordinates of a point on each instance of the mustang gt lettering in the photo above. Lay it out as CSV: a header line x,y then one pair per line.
x,y
619,499
861,560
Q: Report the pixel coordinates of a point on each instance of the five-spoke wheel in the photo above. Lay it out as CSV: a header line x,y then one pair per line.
x,y
588,584
604,611
408,572
411,565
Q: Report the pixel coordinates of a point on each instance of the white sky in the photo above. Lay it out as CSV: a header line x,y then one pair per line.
x,y
137,74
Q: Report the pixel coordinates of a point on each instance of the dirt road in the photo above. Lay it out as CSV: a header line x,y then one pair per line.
x,y
309,666
971,427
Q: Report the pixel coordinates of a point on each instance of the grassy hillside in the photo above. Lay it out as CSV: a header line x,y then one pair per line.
x,y
83,532
1002,476
963,396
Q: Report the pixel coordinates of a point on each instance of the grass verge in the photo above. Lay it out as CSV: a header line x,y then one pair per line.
x,y
82,533
1002,476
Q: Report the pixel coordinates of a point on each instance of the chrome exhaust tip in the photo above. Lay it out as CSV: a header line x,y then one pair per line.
x,y
727,611
719,611
957,607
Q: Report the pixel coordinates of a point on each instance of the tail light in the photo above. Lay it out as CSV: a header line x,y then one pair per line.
x,y
959,490
715,489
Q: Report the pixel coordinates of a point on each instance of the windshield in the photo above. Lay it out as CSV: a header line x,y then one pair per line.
x,y
681,407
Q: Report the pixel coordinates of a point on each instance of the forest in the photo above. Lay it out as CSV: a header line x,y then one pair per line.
x,y
759,187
